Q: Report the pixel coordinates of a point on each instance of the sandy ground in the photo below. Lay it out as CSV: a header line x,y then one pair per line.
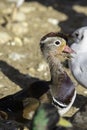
x,y
20,36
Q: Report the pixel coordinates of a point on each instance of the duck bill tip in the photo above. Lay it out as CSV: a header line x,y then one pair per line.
x,y
67,49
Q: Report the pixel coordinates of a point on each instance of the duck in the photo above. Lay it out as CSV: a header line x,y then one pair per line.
x,y
55,51
78,62
45,117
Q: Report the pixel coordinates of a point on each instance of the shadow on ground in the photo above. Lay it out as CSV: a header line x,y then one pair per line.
x,y
32,87
74,20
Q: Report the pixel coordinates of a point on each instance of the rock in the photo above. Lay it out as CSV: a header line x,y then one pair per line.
x,y
18,41
19,28
42,67
32,71
4,37
15,42
85,92
15,56
19,17
53,21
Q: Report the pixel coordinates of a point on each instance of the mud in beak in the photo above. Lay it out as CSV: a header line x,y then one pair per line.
x,y
67,49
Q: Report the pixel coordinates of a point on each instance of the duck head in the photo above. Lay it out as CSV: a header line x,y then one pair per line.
x,y
54,45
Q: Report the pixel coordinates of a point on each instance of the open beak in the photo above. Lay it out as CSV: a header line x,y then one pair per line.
x,y
67,49
64,123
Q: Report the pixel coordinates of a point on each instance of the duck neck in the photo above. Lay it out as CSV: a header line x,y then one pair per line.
x,y
56,70
61,86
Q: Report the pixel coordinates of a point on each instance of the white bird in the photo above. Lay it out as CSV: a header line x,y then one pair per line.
x,y
78,62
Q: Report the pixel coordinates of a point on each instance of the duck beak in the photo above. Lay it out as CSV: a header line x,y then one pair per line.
x,y
67,49
64,123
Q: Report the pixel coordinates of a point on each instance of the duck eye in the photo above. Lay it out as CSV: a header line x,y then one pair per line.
x,y
76,34
57,43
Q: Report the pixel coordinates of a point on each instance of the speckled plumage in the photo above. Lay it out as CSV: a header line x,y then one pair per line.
x,y
61,87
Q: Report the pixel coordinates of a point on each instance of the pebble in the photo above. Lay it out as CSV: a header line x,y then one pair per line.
x,y
15,42
4,37
32,71
42,66
19,17
18,41
1,53
20,28
85,92
1,85
15,56
53,21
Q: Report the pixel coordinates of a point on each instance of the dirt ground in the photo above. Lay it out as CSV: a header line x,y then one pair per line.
x,y
20,35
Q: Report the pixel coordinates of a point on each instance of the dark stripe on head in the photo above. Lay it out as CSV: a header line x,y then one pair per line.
x,y
55,34
62,35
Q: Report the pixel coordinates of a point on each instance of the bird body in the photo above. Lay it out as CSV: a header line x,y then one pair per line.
x,y
46,117
61,87
78,62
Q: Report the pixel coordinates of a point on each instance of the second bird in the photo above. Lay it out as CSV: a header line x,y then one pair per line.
x,y
78,62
